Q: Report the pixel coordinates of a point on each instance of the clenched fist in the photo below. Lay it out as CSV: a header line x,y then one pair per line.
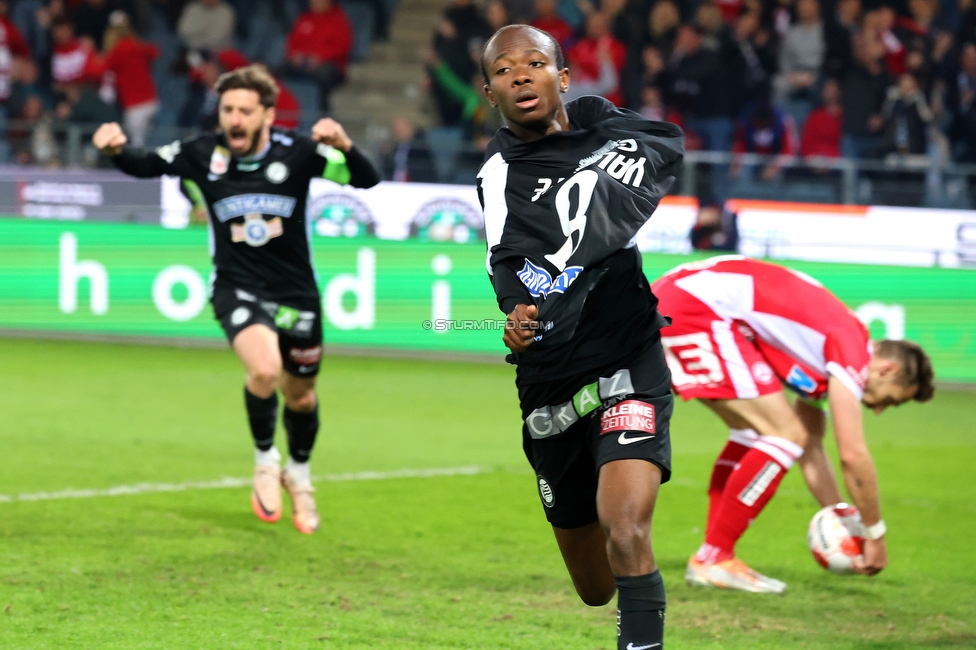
x,y
328,131
109,139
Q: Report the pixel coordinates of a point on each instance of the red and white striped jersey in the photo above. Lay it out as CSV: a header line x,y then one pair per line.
x,y
804,332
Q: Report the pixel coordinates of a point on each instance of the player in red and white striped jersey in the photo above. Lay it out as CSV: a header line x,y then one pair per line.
x,y
742,330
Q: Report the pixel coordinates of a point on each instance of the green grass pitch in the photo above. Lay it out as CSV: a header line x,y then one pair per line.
x,y
463,561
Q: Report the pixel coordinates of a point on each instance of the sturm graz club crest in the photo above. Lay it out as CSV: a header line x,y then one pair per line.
x,y
255,231
448,219
339,214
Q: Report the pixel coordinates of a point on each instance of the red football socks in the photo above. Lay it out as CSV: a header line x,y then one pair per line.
x,y
748,489
740,441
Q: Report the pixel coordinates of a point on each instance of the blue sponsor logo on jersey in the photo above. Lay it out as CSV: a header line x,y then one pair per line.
x,y
800,380
536,279
565,279
540,284
238,206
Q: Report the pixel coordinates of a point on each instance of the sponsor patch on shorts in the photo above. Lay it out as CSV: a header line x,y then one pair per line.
x,y
629,415
306,356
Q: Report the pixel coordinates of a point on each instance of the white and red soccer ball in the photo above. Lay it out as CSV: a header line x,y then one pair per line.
x,y
836,537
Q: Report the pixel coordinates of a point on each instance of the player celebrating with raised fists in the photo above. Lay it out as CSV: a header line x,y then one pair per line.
x,y
254,180
741,327
565,189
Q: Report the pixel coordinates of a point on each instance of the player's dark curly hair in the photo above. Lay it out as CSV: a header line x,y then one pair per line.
x,y
556,49
916,366
250,77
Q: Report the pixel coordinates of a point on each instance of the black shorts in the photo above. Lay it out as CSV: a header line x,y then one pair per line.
x,y
299,326
575,426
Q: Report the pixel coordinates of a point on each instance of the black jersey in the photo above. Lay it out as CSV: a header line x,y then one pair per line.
x,y
259,233
561,214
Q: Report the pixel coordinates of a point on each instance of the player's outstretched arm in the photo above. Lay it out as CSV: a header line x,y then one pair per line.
x,y
362,173
818,472
860,475
111,141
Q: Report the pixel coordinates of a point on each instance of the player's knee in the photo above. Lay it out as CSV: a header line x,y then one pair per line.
x,y
304,402
628,538
264,376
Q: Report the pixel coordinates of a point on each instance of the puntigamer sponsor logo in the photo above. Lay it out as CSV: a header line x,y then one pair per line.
x,y
238,206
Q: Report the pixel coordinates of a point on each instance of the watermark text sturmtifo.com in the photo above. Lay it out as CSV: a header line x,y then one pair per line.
x,y
446,324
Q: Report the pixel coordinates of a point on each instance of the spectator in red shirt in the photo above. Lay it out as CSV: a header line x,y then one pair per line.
x,y
821,133
318,48
129,60
14,54
585,55
73,60
549,21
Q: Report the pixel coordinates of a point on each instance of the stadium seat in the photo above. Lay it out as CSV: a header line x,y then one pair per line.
x,y
363,18
445,144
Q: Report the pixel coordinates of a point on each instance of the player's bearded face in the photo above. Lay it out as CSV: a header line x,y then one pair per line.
x,y
243,120
883,389
523,79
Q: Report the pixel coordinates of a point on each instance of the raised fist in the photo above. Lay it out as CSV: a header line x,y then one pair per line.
x,y
109,139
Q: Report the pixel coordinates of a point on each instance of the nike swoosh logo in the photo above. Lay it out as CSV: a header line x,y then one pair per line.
x,y
624,440
631,646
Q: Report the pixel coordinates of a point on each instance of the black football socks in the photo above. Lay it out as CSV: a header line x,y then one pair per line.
x,y
640,612
302,429
262,414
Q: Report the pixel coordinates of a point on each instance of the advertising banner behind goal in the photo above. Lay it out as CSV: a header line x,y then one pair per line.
x,y
144,280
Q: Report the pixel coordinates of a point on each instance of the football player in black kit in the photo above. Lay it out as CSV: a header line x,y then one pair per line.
x,y
565,187
254,179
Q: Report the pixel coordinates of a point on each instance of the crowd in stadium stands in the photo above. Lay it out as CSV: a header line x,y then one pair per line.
x,y
852,78
84,62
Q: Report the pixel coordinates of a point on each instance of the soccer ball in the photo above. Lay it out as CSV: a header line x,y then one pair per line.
x,y
836,537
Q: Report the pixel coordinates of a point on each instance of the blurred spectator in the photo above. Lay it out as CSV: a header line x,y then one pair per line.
x,y
716,33
457,42
73,60
589,53
407,157
318,48
838,32
663,23
715,229
478,117
80,104
778,15
606,84
864,88
549,21
207,25
755,59
801,55
130,59
651,72
496,15
14,54
731,9
91,19
962,102
764,130
821,133
200,109
700,88
967,22
907,117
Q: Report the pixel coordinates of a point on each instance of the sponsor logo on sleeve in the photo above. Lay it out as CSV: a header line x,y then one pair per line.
x,y
540,284
239,316
219,161
800,380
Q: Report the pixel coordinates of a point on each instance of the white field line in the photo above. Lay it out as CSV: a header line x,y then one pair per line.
x,y
145,488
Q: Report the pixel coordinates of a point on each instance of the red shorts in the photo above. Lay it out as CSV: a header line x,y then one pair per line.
x,y
710,357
